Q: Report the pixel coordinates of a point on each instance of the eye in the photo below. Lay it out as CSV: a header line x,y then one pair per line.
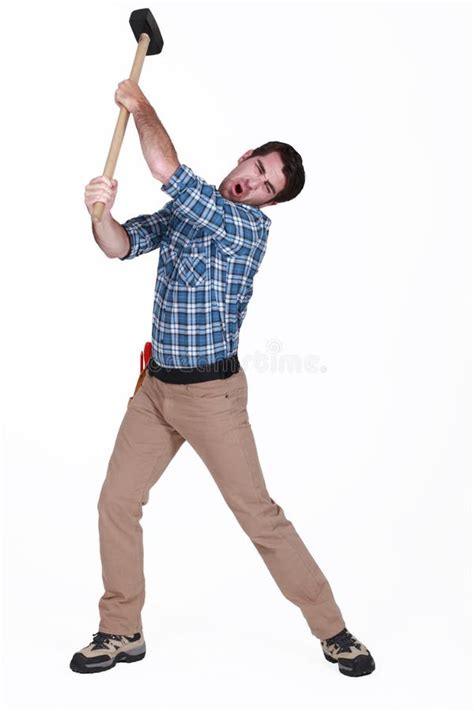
x,y
261,173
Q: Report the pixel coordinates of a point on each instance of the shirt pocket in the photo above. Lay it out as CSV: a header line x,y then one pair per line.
x,y
192,266
187,267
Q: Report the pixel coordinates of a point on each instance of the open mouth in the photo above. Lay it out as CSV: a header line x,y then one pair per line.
x,y
238,189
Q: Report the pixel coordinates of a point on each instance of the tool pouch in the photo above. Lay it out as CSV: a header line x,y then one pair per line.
x,y
145,356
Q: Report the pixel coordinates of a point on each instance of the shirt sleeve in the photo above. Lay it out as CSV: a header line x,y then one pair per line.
x,y
237,228
146,231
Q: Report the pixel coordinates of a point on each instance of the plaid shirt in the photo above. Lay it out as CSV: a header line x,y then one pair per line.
x,y
210,250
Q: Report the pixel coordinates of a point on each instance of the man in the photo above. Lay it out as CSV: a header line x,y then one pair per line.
x,y
211,244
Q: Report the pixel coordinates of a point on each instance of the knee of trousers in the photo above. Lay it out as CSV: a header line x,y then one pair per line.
x,y
111,503
259,519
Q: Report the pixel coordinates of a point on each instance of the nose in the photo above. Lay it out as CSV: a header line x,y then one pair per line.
x,y
254,183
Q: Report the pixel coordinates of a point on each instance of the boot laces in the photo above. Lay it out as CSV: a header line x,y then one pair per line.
x,y
345,641
101,640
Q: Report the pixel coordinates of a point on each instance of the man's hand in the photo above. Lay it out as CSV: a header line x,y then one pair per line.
x,y
130,96
100,189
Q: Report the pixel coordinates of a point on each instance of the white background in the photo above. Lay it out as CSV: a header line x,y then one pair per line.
x,y
368,269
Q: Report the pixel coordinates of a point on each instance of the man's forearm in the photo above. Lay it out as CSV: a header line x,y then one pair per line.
x,y
159,152
111,237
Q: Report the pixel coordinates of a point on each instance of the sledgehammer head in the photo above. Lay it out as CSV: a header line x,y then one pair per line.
x,y
143,21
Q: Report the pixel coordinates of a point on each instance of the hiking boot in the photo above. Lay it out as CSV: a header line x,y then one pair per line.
x,y
106,650
353,658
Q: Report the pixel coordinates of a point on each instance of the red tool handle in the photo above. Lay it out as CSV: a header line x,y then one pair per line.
x,y
147,352
145,356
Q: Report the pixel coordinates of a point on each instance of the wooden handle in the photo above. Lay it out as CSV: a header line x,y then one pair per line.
x,y
121,124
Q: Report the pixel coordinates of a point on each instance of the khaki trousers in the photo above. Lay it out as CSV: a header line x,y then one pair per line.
x,y
212,417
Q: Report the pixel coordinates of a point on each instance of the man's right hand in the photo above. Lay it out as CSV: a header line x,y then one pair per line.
x,y
100,189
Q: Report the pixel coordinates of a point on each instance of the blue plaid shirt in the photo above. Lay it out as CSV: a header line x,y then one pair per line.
x,y
210,250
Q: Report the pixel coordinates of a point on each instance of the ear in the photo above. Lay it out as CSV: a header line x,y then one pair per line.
x,y
267,204
246,155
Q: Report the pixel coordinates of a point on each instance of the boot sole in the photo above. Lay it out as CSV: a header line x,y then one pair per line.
x,y
77,663
351,672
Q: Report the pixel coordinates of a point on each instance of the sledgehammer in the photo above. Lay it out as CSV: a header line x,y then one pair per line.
x,y
150,41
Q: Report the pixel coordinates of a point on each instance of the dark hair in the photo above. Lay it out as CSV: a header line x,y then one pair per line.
x,y
292,168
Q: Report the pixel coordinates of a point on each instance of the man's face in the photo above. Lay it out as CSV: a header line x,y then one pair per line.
x,y
255,180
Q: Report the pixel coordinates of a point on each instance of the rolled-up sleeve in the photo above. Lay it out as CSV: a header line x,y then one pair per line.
x,y
146,232
238,228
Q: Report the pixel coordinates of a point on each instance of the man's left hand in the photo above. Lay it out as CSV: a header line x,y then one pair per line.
x,y
129,95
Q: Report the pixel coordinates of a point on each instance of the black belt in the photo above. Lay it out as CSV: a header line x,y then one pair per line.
x,y
211,371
